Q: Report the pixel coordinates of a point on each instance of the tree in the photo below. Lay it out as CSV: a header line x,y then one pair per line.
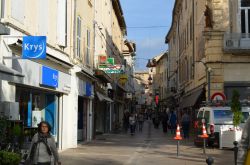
x,y
236,108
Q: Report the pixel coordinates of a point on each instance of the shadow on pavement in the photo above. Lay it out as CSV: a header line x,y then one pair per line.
x,y
67,160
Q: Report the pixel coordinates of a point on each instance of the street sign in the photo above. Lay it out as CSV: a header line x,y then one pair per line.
x,y
218,96
34,47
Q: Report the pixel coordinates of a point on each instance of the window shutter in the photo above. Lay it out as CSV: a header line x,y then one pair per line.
x,y
17,10
43,16
61,22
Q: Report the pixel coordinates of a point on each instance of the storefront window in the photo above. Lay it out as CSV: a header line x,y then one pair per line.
x,y
37,106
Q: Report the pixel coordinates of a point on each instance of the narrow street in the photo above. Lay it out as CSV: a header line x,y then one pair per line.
x,y
146,148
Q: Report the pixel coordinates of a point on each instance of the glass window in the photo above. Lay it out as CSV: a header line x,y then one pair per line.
x,y
200,114
245,116
245,16
36,106
223,117
207,116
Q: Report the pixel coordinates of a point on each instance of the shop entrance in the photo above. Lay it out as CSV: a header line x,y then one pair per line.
x,y
82,119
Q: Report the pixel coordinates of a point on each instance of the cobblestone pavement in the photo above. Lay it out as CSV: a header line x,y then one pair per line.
x,y
149,147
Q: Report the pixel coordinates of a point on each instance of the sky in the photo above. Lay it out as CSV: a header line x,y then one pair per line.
x,y
143,18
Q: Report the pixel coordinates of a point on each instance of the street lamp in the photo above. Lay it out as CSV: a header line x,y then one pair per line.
x,y
208,77
208,70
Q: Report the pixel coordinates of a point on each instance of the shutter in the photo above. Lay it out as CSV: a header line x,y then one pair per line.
x,y
43,17
61,22
17,10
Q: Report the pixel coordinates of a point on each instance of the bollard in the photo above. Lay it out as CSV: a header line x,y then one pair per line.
x,y
235,152
178,144
204,146
209,160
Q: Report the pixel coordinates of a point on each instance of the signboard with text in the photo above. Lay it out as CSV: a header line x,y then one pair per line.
x,y
34,47
49,77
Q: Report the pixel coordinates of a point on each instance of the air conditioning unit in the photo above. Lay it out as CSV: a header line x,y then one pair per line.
x,y
9,110
232,43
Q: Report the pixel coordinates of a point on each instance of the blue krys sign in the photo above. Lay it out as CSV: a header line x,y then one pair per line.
x,y
49,77
34,47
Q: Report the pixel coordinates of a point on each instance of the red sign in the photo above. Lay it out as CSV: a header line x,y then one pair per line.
x,y
156,99
217,96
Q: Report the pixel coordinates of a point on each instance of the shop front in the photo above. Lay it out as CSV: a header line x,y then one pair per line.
x,y
36,105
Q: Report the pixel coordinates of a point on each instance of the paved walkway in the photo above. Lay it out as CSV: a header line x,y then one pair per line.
x,y
149,147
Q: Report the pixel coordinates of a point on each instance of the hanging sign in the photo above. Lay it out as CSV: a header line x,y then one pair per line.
x,y
34,47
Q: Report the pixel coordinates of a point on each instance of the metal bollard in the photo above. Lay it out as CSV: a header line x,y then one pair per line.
x,y
209,160
178,144
235,152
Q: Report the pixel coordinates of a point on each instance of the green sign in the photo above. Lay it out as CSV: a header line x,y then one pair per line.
x,y
111,61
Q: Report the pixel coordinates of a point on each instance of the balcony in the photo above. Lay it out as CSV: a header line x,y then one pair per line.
x,y
237,42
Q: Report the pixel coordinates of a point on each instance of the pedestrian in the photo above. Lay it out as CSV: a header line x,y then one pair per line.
x,y
185,123
126,121
243,157
43,149
140,121
172,122
165,122
132,122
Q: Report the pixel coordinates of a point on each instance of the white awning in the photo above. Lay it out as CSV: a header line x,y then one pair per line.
x,y
102,97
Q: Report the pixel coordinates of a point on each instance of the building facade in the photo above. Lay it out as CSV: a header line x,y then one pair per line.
x,y
67,89
208,52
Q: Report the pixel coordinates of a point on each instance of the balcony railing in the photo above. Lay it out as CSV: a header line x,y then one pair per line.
x,y
237,42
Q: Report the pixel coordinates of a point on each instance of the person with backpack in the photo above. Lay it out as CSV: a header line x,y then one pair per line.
x,y
43,149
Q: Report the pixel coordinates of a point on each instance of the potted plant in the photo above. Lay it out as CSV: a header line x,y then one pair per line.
x,y
237,114
236,109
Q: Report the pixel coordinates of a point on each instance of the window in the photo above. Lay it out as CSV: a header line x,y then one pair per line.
x,y
78,37
207,116
245,16
223,117
200,114
88,47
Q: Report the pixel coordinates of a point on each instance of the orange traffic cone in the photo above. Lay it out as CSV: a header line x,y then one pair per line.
x,y
178,133
204,132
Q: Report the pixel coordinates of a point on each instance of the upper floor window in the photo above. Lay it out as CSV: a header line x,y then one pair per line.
x,y
245,16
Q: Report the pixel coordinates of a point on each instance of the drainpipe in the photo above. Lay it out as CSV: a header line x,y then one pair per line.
x,y
74,30
193,65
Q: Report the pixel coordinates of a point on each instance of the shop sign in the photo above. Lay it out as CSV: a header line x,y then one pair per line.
x,y
88,89
102,59
34,47
112,69
49,77
123,79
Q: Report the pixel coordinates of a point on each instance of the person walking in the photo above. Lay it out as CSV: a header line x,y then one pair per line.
x,y
43,149
172,122
165,122
140,121
132,122
185,123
